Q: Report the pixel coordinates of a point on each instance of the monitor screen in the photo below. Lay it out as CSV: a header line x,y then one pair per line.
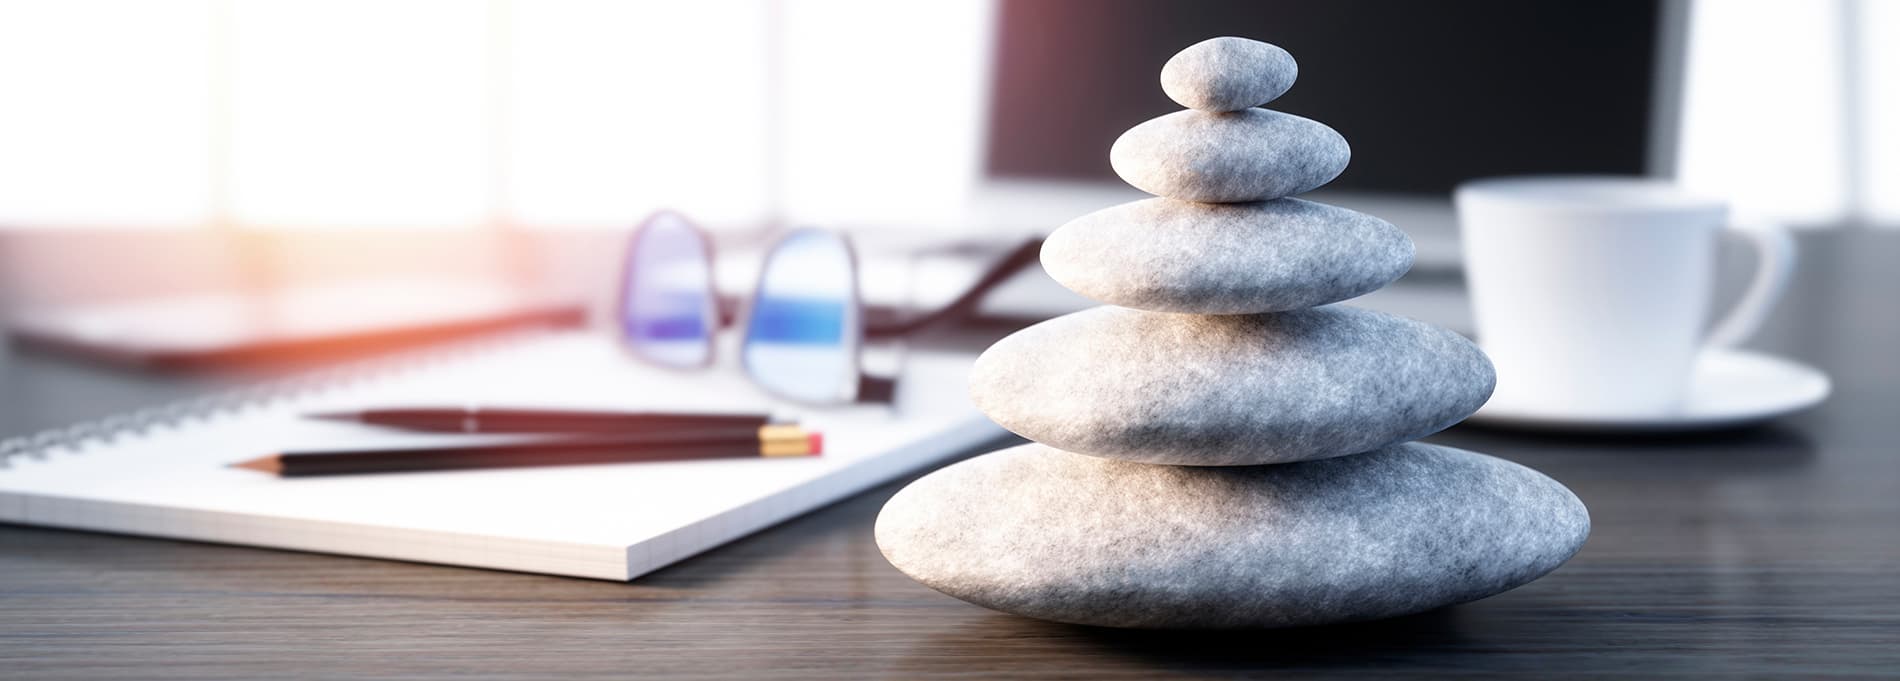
x,y
1428,93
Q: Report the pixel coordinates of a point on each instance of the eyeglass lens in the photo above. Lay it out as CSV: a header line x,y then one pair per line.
x,y
667,313
805,328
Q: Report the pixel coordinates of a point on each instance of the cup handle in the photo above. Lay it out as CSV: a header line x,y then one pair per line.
x,y
1774,265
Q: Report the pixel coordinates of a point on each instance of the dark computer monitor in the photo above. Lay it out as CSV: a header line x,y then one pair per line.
x,y
1428,93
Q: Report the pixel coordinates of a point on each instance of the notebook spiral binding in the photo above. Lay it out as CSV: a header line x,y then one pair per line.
x,y
40,445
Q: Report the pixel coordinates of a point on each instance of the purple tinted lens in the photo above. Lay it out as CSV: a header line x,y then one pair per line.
x,y
667,310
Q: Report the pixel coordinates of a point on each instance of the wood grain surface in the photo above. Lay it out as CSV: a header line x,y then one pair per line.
x,y
1768,552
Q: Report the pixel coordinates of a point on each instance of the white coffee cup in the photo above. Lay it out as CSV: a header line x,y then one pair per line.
x,y
1591,293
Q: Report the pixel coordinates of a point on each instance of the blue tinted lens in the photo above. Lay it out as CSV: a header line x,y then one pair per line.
x,y
667,310
803,330
790,320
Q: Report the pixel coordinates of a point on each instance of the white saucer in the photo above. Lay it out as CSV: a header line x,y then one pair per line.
x,y
1729,388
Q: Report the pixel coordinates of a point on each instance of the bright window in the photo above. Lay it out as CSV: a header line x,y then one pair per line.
x,y
1792,108
616,108
359,113
455,113
452,113
1879,25
105,113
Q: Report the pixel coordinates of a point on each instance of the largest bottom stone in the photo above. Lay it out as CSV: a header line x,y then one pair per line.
x,y
1045,533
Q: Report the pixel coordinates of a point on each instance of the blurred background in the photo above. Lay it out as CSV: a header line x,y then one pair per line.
x,y
373,163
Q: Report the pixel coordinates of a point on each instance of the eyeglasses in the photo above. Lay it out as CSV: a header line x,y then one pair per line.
x,y
804,324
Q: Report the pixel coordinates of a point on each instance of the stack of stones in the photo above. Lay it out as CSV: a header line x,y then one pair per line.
x,y
1221,446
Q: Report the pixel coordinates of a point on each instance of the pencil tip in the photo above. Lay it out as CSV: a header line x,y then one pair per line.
x,y
267,464
335,416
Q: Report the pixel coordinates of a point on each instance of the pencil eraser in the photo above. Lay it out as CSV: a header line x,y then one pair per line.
x,y
816,442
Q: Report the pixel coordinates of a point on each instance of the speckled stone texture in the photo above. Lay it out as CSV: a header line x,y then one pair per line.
x,y
1232,390
1247,155
1228,74
1226,446
1240,258
1044,533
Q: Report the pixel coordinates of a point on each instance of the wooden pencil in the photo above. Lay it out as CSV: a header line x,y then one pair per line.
x,y
771,441
506,420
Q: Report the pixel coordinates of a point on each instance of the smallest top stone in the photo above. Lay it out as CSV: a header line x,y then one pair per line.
x,y
1228,74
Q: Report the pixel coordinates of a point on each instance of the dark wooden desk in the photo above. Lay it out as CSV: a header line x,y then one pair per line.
x,y
1772,551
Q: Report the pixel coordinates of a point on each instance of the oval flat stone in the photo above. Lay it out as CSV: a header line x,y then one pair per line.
x,y
1229,390
1228,74
1048,534
1225,258
1247,155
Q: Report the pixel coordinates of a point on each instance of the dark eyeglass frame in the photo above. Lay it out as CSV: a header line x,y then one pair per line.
x,y
725,314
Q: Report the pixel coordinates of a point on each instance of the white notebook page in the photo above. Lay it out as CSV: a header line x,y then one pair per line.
x,y
612,521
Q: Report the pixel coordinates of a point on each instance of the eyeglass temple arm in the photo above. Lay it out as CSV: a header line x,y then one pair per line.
x,y
876,389
1024,256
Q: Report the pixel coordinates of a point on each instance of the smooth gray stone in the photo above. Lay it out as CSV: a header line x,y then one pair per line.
x,y
1048,534
1225,258
1246,155
1229,390
1228,74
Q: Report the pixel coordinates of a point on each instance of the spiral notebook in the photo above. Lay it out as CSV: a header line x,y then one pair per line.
x,y
164,473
